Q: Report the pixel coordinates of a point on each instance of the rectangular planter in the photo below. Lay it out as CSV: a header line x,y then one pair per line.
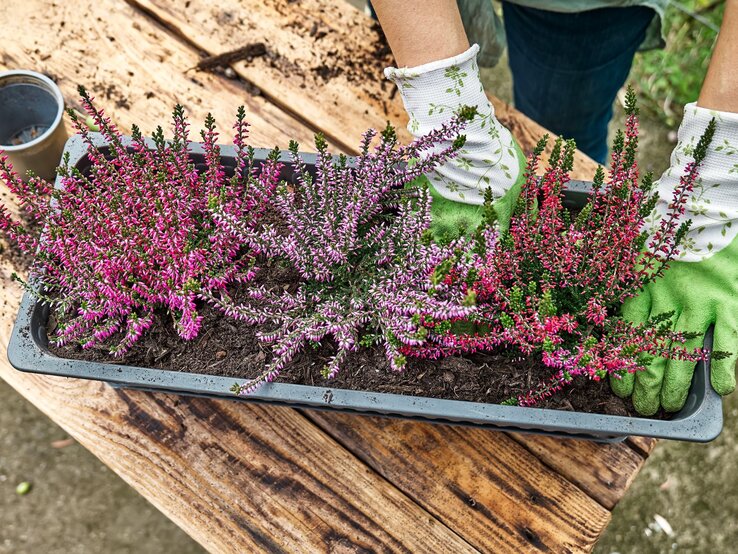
x,y
700,420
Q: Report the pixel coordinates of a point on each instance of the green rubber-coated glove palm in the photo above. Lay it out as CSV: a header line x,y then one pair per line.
x,y
451,219
701,288
700,295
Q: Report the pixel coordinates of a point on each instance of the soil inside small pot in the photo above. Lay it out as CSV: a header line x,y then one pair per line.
x,y
230,348
28,134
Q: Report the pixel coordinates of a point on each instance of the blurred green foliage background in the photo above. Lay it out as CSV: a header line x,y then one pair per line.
x,y
670,78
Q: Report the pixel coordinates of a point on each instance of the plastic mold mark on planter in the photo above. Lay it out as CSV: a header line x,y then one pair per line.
x,y
700,420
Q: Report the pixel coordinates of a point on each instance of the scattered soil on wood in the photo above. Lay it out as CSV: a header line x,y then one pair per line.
x,y
230,348
340,45
11,259
360,65
9,252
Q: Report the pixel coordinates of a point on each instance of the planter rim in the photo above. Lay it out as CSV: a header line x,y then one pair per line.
x,y
48,85
700,420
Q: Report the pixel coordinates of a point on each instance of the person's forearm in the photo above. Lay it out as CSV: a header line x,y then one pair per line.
x,y
720,89
421,31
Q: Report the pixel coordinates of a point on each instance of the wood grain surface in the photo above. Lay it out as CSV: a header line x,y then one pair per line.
x,y
239,478
644,445
323,65
242,478
604,471
485,483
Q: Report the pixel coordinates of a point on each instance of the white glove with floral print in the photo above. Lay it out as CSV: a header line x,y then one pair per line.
x,y
490,157
713,207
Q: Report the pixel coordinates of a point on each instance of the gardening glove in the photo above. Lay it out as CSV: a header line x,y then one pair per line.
x,y
490,157
701,286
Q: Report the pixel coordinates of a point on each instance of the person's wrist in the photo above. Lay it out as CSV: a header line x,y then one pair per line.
x,y
414,55
420,31
720,88
697,112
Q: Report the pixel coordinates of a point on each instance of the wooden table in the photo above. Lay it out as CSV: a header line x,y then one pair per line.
x,y
242,478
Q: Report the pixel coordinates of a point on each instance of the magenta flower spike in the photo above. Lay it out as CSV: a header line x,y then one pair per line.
x,y
551,288
133,237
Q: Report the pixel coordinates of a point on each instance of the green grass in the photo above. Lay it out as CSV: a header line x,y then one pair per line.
x,y
670,78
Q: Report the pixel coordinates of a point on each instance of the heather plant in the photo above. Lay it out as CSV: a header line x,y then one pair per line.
x,y
357,235
551,287
134,234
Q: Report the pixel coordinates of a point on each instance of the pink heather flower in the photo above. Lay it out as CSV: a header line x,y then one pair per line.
x,y
552,286
596,312
135,233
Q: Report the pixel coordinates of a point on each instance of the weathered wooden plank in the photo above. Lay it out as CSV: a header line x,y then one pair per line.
x,y
610,468
134,67
644,445
324,63
481,483
237,478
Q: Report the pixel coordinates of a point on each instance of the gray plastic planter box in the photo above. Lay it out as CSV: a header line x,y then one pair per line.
x,y
700,420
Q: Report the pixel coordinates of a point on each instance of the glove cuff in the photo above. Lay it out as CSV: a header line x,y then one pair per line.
x,y
694,114
395,73
432,93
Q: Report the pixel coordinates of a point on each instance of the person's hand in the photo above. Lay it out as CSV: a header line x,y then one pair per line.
x,y
701,288
490,157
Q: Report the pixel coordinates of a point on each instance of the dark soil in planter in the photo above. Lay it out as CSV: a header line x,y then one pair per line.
x,y
230,348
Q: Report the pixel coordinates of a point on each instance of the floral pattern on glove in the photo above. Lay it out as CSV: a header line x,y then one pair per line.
x,y
489,159
713,206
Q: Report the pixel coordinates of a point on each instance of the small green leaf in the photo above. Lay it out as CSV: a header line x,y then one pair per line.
x,y
23,488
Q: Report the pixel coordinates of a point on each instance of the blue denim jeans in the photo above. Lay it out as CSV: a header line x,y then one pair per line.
x,y
568,67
